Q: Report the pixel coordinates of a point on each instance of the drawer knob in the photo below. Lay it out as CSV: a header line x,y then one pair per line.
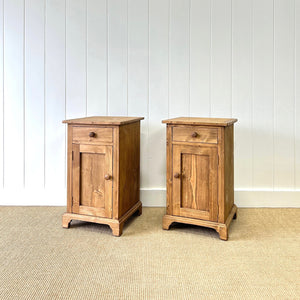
x,y
176,175
195,134
92,134
107,177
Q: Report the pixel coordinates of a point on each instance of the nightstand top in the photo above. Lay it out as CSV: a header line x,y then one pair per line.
x,y
104,120
200,121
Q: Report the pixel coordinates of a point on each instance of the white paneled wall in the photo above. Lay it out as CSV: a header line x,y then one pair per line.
x,y
1,92
153,58
55,96
34,87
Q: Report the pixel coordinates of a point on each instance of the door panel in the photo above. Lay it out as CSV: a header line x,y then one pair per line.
x,y
92,185
195,188
92,193
195,181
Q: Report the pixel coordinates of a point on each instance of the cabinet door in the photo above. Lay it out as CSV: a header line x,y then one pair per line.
x,y
92,180
195,182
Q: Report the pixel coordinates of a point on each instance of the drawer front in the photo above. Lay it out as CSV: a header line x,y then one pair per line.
x,y
92,135
195,134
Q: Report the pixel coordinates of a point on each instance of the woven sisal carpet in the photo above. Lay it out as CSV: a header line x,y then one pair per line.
x,y
41,260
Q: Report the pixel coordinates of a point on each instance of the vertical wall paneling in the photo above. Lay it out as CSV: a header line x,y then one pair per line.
x,y
55,94
158,89
96,57
14,93
297,95
263,94
138,73
284,97
153,58
221,60
200,50
34,92
179,52
1,88
117,57
76,44
242,90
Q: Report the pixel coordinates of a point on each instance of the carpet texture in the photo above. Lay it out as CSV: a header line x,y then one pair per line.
x,y
41,260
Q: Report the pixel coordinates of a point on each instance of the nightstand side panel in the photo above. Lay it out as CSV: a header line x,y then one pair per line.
x,y
129,166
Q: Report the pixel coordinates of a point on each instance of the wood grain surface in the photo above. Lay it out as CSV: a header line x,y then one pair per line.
x,y
103,171
102,120
194,193
200,169
83,134
195,134
200,121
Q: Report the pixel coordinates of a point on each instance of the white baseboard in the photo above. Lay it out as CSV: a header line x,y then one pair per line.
x,y
33,197
267,198
243,198
154,197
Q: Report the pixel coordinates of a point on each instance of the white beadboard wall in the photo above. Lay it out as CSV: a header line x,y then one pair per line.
x,y
158,59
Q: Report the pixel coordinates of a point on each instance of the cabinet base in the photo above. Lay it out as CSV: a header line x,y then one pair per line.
x,y
221,228
115,225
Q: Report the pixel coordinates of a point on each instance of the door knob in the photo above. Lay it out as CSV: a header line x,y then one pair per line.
x,y
176,175
195,134
107,177
92,134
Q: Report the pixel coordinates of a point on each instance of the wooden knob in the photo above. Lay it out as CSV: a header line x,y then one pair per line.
x,y
107,177
176,175
92,134
195,134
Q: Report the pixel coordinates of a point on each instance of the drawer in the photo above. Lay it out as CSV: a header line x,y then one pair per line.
x,y
195,134
92,135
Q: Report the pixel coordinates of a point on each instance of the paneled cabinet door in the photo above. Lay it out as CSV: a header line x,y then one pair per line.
x,y
92,180
195,182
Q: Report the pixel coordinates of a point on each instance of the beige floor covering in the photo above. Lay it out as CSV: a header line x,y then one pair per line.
x,y
41,260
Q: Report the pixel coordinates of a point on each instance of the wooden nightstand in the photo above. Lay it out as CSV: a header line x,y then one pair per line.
x,y
103,170
200,173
